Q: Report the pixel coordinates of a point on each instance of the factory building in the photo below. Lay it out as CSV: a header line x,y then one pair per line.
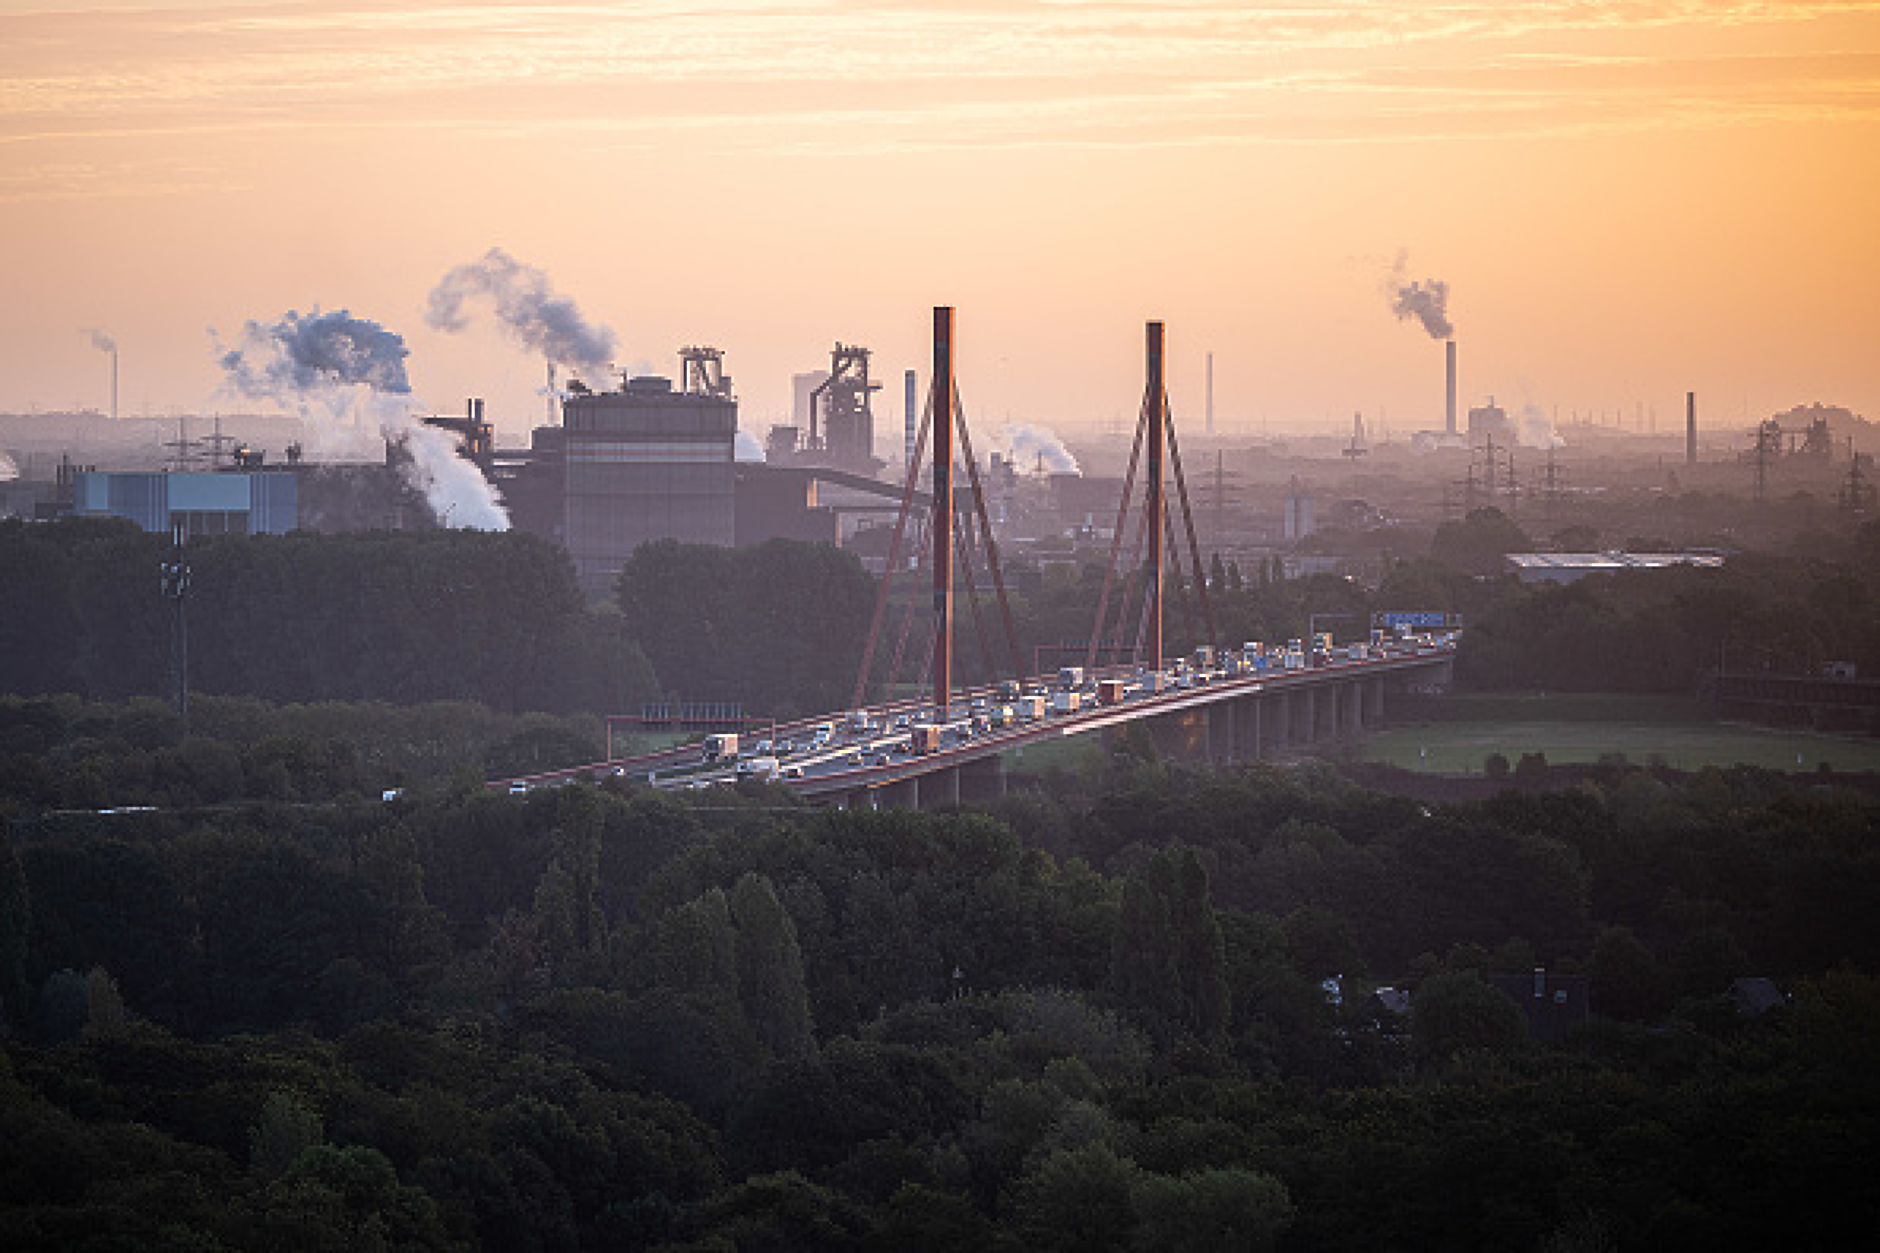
x,y
1490,421
645,463
263,502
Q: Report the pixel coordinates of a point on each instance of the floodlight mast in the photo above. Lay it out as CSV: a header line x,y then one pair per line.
x,y
175,583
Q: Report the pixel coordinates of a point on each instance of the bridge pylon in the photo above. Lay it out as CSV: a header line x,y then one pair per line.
x,y
944,417
1155,538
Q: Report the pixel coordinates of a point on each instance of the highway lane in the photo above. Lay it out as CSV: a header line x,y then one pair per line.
x,y
884,755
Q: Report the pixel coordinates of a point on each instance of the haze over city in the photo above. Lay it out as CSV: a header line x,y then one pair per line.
x,y
1626,201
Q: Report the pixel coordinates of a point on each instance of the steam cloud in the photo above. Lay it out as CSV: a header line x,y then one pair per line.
x,y
101,341
8,470
1535,428
1427,302
527,308
338,372
1023,445
300,356
746,447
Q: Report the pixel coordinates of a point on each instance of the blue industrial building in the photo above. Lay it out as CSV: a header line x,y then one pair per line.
x,y
265,502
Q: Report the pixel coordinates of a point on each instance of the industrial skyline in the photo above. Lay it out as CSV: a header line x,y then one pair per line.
x,y
1623,202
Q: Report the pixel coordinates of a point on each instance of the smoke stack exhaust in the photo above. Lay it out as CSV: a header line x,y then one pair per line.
x,y
1449,404
1690,428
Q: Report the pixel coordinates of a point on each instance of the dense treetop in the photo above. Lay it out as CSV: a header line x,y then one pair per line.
x,y
1100,1015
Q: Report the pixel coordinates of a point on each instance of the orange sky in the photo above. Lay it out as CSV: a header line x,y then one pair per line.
x,y
1629,199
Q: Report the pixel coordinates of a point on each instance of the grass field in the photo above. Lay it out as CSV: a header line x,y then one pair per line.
x,y
1454,735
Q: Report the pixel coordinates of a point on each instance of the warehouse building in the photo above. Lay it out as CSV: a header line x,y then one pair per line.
x,y
263,502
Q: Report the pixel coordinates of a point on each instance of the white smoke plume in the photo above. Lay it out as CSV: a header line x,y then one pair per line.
x,y
747,448
345,378
454,488
101,341
1427,302
8,470
1534,428
527,308
1024,445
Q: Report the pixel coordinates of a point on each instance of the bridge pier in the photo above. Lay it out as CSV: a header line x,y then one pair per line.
x,y
1223,742
938,790
1183,736
901,794
982,779
1244,724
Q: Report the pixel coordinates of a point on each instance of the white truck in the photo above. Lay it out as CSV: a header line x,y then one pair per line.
x,y
721,747
765,768
1067,702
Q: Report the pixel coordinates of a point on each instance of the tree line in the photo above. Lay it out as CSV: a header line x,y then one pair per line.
x,y
1130,1007
498,619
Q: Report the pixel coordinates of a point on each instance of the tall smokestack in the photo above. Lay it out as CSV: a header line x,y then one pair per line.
x,y
114,408
1210,393
1449,405
1690,428
910,402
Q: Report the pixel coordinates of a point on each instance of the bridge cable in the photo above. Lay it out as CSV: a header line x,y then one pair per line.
x,y
992,544
964,524
894,553
900,644
1135,583
1175,572
1188,522
1116,537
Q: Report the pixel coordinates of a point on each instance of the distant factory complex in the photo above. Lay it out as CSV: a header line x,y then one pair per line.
x,y
652,457
645,461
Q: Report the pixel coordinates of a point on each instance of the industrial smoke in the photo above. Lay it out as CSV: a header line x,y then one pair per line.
x,y
527,308
1024,445
1535,429
1427,302
101,341
304,357
345,375
8,470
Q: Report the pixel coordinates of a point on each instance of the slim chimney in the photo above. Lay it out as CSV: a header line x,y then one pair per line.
x,y
1449,406
114,394
1210,393
1690,428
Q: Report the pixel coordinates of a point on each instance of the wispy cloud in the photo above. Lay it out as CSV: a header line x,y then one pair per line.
x,y
813,78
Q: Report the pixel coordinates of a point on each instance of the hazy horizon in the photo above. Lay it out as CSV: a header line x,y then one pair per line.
x,y
1624,201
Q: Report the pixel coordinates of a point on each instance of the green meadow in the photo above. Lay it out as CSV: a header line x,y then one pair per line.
x,y
1456,734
